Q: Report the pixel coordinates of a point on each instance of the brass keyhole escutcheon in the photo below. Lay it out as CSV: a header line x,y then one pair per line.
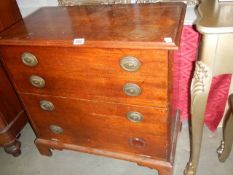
x,y
56,129
130,64
46,105
29,59
37,81
135,117
137,142
131,89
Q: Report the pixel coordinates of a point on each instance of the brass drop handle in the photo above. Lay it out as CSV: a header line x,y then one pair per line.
x,y
130,64
46,105
29,59
37,81
134,116
132,89
56,129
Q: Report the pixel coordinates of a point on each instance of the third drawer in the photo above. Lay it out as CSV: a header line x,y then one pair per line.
x,y
99,124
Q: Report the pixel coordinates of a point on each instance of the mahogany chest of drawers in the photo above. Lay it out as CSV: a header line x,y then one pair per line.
x,y
98,79
12,115
9,13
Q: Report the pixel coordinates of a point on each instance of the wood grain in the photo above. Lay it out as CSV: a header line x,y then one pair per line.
x,y
9,13
9,103
85,82
116,26
93,74
12,116
100,125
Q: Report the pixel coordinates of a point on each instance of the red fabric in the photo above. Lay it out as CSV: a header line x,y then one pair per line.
x,y
217,100
184,62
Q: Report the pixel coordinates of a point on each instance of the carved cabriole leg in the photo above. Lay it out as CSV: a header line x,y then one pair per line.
x,y
199,95
225,148
13,148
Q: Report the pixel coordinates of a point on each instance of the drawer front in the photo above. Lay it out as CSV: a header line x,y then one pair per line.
x,y
99,125
94,74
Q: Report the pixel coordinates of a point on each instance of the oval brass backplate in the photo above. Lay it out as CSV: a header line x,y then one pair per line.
x,y
46,105
134,116
56,129
29,59
131,89
130,64
37,81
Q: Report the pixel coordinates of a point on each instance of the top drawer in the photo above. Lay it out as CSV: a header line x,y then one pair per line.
x,y
90,73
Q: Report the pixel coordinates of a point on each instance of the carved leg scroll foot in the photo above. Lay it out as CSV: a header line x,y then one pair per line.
x,y
190,169
13,148
224,149
44,150
199,95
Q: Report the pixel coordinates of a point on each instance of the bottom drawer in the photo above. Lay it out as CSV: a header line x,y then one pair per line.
x,y
99,125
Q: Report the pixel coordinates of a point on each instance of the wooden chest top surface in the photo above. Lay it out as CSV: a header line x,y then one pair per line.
x,y
116,26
